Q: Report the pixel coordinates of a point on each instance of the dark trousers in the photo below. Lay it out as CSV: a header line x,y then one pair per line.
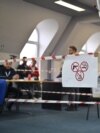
x,y
37,87
12,93
30,88
73,97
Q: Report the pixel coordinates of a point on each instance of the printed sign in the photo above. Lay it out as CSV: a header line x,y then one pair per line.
x,y
80,71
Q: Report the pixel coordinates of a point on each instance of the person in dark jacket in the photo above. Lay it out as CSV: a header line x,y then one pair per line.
x,y
22,69
7,72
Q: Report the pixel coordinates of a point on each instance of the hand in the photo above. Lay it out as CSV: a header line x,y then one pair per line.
x,y
76,54
96,54
16,76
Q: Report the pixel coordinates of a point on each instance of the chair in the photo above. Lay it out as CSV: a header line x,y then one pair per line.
x,y
95,97
3,89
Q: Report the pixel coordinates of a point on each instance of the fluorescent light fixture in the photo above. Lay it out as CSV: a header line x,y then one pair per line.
x,y
68,5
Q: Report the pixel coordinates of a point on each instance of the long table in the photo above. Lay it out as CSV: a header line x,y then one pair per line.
x,y
51,86
46,86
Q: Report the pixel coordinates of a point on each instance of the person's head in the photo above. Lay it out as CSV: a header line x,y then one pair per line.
x,y
72,50
33,62
24,60
7,65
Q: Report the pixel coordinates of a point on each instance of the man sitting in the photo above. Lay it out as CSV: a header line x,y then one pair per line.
x,y
7,72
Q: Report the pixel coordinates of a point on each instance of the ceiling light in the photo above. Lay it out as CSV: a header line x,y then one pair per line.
x,y
68,5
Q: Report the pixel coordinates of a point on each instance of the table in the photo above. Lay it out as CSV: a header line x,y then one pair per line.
x,y
51,86
46,86
27,88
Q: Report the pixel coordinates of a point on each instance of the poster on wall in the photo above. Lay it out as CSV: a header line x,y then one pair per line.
x,y
80,71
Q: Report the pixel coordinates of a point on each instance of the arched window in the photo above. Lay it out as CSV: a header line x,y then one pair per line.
x,y
92,43
31,47
47,30
34,36
40,39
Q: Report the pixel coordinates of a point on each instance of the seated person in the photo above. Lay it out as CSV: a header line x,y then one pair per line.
x,y
7,72
35,75
34,70
24,70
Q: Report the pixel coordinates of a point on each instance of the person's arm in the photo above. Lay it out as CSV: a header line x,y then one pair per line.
x,y
16,76
60,74
11,74
96,54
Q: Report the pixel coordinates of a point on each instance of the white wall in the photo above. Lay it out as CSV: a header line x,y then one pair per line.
x,y
19,18
47,30
78,37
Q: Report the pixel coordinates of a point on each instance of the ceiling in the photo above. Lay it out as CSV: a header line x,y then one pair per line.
x,y
89,5
18,18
